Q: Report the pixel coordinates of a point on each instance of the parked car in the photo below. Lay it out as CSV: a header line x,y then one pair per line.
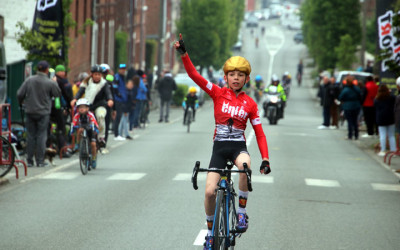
x,y
3,74
252,21
298,38
359,76
183,78
237,46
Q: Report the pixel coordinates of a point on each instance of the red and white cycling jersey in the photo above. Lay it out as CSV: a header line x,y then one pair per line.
x,y
231,111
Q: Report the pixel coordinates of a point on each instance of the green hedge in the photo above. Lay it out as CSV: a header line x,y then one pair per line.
x,y
179,94
121,48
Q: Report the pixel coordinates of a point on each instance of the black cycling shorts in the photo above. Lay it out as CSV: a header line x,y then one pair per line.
x,y
226,150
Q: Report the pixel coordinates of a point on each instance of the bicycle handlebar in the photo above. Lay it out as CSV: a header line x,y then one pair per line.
x,y
197,169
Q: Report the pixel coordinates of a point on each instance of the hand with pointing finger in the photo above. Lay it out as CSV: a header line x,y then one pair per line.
x,y
180,46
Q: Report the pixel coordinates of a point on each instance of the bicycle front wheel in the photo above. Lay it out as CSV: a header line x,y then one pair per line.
x,y
7,156
220,225
84,156
189,119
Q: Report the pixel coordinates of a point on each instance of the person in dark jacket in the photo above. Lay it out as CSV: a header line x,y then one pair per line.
x,y
326,100
397,107
98,93
384,106
120,96
36,93
165,87
59,115
108,75
350,98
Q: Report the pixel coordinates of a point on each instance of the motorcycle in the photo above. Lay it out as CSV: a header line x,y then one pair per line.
x,y
272,105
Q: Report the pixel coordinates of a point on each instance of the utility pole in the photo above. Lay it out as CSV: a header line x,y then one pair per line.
x,y
131,42
143,10
161,37
363,33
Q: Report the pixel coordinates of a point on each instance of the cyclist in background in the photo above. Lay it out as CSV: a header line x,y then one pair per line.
x,y
232,109
82,119
190,101
258,87
98,93
286,83
280,90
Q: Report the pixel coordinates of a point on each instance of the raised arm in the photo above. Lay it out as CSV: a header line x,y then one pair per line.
x,y
203,83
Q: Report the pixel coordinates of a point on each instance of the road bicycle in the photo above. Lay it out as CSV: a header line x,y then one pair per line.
x,y
189,118
85,149
7,156
225,220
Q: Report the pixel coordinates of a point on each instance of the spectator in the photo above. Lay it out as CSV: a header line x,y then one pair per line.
x,y
147,103
369,67
109,77
58,115
98,94
334,109
120,96
350,97
397,107
133,93
165,87
124,123
141,97
75,88
369,94
326,100
384,105
36,93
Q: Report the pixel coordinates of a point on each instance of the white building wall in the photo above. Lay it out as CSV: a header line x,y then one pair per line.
x,y
13,12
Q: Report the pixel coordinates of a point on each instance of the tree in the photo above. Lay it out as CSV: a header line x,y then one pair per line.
x,y
324,23
345,52
209,29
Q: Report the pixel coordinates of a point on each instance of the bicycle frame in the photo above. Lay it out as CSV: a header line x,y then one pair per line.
x,y
225,186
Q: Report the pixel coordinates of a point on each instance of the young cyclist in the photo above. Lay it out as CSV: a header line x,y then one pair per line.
x,y
190,101
83,118
232,109
98,93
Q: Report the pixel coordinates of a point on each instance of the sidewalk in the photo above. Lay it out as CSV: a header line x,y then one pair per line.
x,y
176,114
365,144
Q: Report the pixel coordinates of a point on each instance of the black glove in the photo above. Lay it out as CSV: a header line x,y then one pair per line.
x,y
181,49
265,166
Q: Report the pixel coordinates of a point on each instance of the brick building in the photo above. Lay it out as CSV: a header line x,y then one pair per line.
x,y
97,43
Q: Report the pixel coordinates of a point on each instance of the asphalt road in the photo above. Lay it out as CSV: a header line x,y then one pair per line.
x,y
324,192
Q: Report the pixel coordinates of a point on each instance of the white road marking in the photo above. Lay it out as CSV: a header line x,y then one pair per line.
x,y
262,179
385,187
188,177
200,238
250,138
322,183
61,176
50,171
126,176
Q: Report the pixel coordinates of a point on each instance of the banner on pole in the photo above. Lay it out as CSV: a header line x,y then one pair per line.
x,y
387,41
48,21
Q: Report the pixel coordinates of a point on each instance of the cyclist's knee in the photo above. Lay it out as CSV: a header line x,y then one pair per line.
x,y
210,194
